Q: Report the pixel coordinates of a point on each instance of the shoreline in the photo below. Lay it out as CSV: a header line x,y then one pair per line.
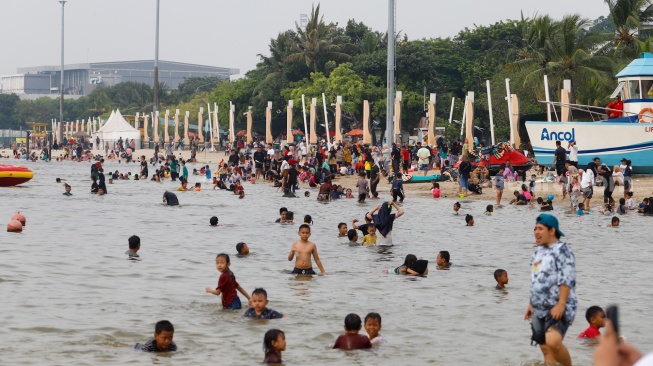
x,y
642,185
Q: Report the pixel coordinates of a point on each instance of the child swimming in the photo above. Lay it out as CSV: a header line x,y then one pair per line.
x,y
373,327
488,210
456,208
351,339
370,238
162,341
259,307
469,220
501,276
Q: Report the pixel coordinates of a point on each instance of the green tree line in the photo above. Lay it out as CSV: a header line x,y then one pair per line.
x,y
350,60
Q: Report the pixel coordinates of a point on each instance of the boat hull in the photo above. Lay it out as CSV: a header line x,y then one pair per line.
x,y
11,175
609,141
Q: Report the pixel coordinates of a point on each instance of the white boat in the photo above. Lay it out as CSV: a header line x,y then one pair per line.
x,y
629,136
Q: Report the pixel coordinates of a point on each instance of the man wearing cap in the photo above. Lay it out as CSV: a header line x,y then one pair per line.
x,y
573,153
553,302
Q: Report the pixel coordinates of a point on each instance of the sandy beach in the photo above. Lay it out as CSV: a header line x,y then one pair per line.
x,y
642,184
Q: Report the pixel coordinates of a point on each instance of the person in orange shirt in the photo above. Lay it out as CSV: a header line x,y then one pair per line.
x,y
615,108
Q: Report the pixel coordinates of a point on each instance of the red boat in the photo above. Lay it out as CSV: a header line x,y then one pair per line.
x,y
12,175
492,157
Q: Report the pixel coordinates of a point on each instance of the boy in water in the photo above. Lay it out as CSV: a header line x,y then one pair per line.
x,y
242,248
162,341
363,228
68,189
304,249
351,339
352,234
596,317
259,307
342,230
372,327
501,276
134,246
615,222
363,188
581,209
213,221
282,215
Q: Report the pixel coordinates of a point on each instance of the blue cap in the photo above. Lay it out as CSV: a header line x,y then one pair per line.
x,y
550,221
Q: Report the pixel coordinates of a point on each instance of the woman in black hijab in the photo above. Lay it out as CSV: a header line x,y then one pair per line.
x,y
383,219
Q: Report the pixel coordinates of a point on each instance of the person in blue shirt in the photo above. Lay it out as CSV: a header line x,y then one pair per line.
x,y
397,188
174,165
259,307
184,171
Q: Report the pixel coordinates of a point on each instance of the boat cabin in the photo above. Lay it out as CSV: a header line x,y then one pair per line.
x,y
636,90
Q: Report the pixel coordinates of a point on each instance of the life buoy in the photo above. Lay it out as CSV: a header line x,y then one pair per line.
x,y
641,114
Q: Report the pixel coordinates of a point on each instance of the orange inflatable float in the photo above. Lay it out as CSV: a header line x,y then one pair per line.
x,y
12,175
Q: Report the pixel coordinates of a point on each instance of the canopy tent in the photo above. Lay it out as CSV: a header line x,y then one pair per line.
x,y
117,127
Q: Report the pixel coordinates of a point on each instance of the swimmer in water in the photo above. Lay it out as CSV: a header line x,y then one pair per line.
x,y
162,341
134,246
68,189
469,219
242,248
351,339
370,238
303,250
456,208
308,220
282,215
274,343
241,195
170,198
100,192
442,260
259,307
307,194
342,230
614,223
290,217
501,276
352,234
373,327
213,221
488,210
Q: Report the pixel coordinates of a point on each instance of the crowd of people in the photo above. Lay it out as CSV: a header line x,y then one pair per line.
x,y
552,305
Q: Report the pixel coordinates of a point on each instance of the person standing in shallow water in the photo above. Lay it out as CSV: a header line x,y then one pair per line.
x,y
553,302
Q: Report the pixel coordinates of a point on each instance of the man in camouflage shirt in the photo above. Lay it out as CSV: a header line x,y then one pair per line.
x,y
553,301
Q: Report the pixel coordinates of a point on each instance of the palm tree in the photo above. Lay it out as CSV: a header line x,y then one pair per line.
x,y
316,44
628,17
564,50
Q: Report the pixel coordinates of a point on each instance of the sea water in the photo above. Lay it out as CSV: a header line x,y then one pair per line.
x,y
69,296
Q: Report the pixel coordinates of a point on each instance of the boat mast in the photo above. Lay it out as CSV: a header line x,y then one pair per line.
x,y
389,126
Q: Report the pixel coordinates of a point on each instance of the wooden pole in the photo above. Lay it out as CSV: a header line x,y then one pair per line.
x,y
431,133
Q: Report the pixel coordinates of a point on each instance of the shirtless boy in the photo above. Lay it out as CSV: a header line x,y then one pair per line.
x,y
303,249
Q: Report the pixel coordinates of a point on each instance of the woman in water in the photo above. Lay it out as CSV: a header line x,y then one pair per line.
x,y
383,219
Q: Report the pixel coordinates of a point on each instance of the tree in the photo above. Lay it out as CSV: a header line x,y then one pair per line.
x,y
627,17
7,104
316,44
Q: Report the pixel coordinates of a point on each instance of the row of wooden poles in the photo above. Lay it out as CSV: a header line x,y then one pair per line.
x,y
93,125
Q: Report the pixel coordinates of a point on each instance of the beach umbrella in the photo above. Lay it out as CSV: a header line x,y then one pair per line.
x,y
355,132
81,134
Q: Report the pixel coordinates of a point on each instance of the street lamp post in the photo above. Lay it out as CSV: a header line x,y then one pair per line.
x,y
59,132
156,61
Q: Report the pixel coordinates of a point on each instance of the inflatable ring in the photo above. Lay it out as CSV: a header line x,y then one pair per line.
x,y
641,114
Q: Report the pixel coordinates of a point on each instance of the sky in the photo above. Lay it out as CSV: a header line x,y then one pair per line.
x,y
227,33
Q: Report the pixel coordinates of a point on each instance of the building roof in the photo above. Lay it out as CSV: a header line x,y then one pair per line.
x,y
131,65
642,66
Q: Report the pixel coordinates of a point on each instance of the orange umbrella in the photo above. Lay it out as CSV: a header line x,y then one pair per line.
x,y
355,132
241,133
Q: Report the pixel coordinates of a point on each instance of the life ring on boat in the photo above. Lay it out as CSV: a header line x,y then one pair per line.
x,y
641,115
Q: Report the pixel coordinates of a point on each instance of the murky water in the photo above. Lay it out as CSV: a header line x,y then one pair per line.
x,y
70,297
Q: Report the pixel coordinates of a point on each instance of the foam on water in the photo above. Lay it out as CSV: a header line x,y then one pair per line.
x,y
69,295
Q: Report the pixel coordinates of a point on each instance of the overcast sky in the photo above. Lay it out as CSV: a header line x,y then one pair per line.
x,y
226,33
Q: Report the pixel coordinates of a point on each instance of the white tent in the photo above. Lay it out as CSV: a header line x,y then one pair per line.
x,y
117,127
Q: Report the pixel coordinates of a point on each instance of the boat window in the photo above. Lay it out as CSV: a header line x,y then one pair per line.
x,y
647,87
616,92
633,90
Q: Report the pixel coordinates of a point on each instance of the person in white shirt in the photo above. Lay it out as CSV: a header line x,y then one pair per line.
x,y
573,153
586,186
